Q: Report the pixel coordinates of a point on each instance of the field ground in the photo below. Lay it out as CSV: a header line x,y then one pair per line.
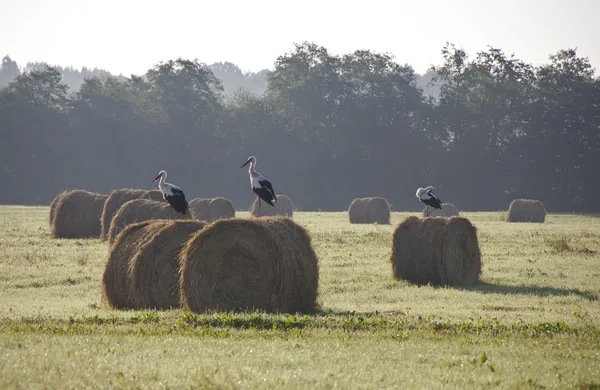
x,y
534,323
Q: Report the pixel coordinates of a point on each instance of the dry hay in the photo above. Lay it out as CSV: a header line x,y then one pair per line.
x,y
526,210
154,270
118,198
448,210
116,281
369,210
265,264
283,206
139,210
53,205
211,209
440,251
77,215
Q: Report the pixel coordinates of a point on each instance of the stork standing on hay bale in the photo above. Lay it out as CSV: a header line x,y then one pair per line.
x,y
261,186
172,194
427,196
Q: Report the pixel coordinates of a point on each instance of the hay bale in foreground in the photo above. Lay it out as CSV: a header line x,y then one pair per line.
x,y
265,264
283,207
369,210
53,205
155,267
526,210
440,251
139,210
77,215
211,209
448,210
116,281
118,198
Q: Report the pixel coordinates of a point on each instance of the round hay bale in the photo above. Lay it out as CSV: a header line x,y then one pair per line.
x,y
369,210
265,264
448,210
118,198
139,210
116,281
283,207
440,251
77,215
155,267
526,210
53,205
211,209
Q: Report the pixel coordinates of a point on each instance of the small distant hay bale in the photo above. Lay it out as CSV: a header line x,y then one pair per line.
x,y
155,267
448,210
283,207
53,205
526,210
139,210
77,215
440,251
369,210
211,209
265,264
118,198
116,281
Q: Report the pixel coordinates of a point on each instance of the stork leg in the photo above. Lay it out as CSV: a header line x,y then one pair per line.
x,y
427,210
259,208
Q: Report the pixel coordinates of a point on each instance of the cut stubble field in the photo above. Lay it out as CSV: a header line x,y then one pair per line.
x,y
534,322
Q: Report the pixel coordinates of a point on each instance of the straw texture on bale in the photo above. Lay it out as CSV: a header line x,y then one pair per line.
x,y
77,215
265,264
139,210
526,210
283,207
116,281
369,210
448,210
440,251
53,205
155,267
118,198
211,209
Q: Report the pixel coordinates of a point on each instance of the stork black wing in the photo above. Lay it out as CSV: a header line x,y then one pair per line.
x,y
267,184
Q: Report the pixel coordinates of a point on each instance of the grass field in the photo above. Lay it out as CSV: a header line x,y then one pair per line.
x,y
535,323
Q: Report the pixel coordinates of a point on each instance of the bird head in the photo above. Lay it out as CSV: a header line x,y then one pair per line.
x,y
160,174
251,159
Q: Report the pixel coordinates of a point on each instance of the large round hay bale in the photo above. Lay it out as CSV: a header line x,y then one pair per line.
x,y
211,209
116,281
139,210
53,205
77,215
526,210
283,207
369,210
440,251
448,210
265,264
155,267
118,198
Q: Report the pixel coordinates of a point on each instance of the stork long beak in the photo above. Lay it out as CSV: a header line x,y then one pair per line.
x,y
156,178
246,163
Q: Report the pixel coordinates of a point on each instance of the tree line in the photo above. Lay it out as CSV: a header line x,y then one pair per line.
x,y
325,129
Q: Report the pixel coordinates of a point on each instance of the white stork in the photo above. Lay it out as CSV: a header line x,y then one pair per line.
x,y
172,194
261,186
427,196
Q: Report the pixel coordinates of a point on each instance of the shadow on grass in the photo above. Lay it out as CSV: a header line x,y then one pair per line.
x,y
541,291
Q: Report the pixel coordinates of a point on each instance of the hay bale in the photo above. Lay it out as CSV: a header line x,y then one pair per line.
x,y
53,205
526,210
154,269
440,251
265,264
116,281
448,210
118,198
283,207
211,209
77,215
369,210
139,210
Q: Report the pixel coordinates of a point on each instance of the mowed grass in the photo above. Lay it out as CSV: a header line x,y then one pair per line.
x,y
534,323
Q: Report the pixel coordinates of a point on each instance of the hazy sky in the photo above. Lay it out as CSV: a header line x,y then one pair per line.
x,y
129,36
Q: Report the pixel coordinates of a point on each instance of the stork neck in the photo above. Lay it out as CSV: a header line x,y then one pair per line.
x,y
161,182
251,169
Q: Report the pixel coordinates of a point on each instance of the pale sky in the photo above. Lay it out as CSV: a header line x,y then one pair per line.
x,y
130,36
